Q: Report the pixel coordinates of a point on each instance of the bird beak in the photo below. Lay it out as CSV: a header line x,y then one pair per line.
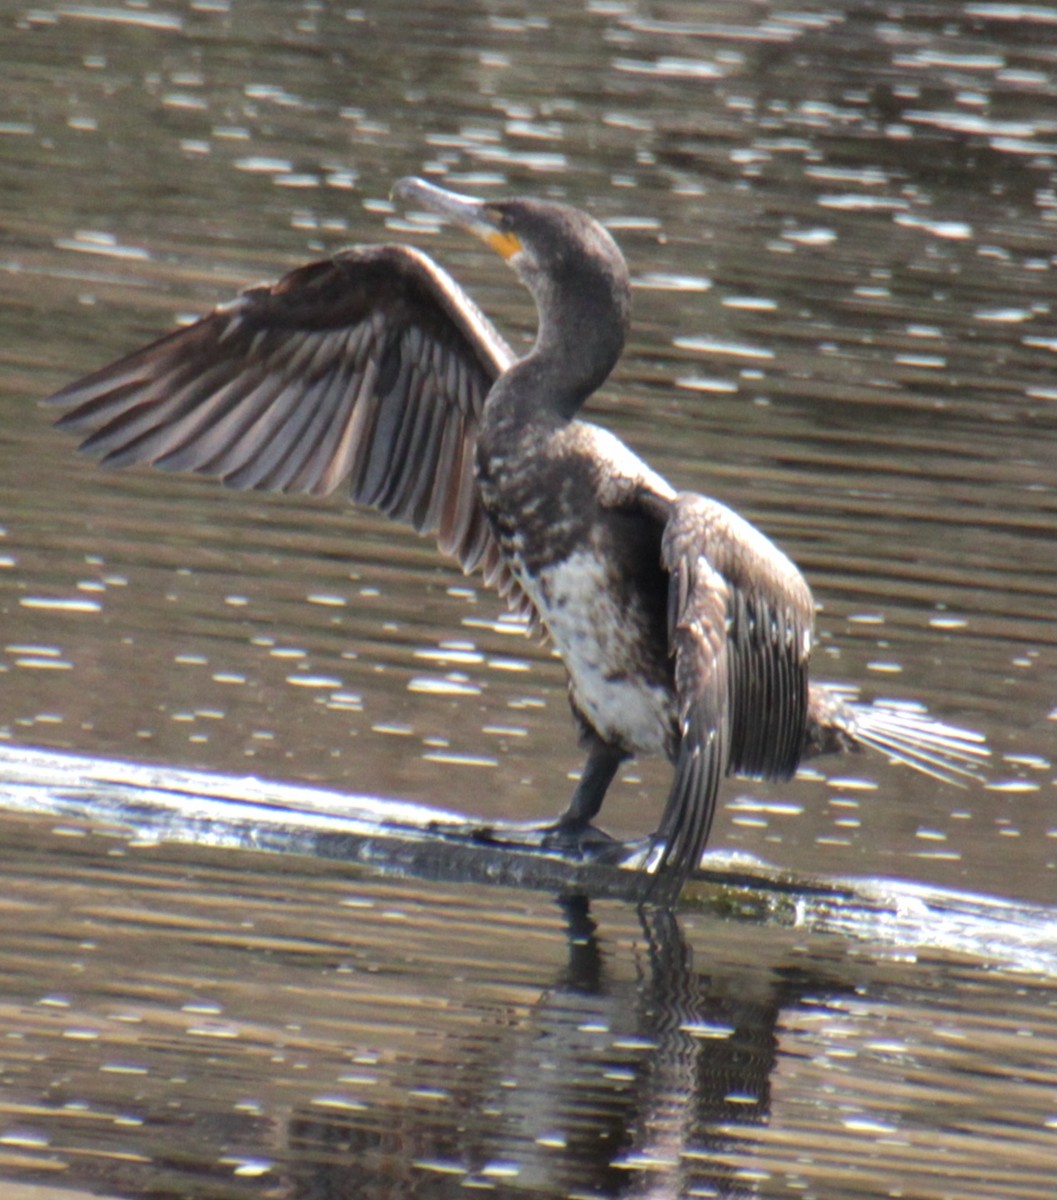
x,y
469,213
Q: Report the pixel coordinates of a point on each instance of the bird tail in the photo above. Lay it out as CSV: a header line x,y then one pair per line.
x,y
838,720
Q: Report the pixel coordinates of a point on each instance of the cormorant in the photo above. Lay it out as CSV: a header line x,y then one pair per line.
x,y
684,631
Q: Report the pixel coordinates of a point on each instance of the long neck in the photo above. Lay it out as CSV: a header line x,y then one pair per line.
x,y
579,340
524,397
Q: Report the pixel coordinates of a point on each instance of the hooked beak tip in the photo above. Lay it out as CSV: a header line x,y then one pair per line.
x,y
467,212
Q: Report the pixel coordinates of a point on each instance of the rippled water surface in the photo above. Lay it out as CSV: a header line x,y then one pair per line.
x,y
841,224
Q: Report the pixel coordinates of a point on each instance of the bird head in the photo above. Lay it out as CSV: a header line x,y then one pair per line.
x,y
568,261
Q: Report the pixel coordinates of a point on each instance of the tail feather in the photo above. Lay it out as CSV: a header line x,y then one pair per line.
x,y
839,721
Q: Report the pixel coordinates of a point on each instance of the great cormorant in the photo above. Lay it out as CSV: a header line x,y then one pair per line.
x,y
684,631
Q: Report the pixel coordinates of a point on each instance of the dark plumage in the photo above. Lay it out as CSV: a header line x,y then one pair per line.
x,y
683,629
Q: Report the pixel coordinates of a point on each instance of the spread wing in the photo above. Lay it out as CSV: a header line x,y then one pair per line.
x,y
739,626
366,371
697,636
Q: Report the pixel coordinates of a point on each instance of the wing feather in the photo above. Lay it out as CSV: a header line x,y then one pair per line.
x,y
366,371
698,606
770,623
739,626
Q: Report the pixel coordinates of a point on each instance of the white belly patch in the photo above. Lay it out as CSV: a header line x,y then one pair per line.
x,y
597,641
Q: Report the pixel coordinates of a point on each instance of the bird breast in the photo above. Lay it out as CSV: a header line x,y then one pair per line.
x,y
604,646
591,569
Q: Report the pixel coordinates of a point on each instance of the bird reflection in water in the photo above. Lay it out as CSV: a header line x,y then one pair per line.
x,y
684,631
613,1083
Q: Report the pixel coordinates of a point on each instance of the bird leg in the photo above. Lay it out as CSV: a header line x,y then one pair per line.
x,y
572,832
603,761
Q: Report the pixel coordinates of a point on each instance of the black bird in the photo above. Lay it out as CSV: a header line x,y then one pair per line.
x,y
684,631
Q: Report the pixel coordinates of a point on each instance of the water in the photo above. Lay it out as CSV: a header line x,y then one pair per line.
x,y
840,221
218,1023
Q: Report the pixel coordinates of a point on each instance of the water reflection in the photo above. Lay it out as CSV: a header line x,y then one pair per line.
x,y
216,1020
604,1086
215,1023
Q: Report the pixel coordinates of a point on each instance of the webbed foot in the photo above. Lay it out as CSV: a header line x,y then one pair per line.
x,y
585,842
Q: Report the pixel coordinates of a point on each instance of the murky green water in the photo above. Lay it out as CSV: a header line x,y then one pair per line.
x,y
841,223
